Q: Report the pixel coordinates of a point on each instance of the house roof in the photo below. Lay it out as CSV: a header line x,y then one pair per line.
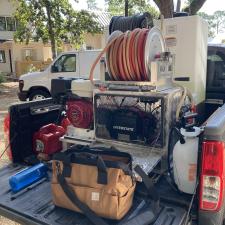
x,y
103,18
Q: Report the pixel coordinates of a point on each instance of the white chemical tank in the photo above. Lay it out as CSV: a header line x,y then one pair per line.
x,y
185,157
187,38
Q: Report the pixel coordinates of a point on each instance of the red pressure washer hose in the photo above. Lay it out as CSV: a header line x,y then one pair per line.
x,y
125,56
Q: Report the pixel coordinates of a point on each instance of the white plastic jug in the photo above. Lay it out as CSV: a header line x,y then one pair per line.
x,y
185,157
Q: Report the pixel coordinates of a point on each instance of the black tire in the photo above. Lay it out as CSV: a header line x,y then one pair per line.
x,y
38,95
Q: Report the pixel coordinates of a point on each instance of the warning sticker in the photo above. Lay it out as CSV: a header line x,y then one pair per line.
x,y
192,172
171,42
171,29
95,196
39,146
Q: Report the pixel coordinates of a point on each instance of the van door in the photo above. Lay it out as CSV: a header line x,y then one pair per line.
x,y
65,66
87,58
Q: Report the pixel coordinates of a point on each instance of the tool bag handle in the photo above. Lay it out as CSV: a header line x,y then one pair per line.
x,y
96,159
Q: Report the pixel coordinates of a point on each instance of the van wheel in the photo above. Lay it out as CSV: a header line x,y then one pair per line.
x,y
38,95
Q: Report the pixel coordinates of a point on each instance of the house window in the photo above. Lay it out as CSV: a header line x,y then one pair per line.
x,y
2,56
7,24
2,24
29,54
11,25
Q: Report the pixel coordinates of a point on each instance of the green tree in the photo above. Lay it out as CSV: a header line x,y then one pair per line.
x,y
219,21
52,20
117,7
216,22
193,6
209,19
166,7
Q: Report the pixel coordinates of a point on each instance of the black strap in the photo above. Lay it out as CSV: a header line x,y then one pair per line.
x,y
75,156
102,171
150,186
91,215
99,162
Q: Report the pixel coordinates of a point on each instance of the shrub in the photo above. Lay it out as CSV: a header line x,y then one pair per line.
x,y
31,68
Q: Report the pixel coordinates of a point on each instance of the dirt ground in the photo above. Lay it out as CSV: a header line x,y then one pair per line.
x,y
8,95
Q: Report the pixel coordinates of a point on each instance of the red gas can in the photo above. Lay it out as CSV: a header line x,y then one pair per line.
x,y
46,140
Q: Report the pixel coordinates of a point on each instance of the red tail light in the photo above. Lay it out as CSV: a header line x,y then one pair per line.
x,y
212,176
7,136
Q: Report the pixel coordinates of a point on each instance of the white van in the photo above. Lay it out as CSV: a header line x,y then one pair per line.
x,y
37,85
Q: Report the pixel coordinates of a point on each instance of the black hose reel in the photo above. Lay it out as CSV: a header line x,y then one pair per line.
x,y
124,24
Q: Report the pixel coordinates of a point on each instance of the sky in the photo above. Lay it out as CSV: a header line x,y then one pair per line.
x,y
209,7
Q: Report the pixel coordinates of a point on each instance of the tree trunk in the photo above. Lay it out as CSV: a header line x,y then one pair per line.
x,y
194,7
50,29
178,5
166,7
126,7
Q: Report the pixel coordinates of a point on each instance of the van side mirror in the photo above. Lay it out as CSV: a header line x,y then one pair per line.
x,y
54,69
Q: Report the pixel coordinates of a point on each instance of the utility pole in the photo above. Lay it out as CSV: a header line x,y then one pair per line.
x,y
126,7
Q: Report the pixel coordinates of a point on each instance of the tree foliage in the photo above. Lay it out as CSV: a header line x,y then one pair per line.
x,y
216,22
117,7
166,7
53,21
219,21
193,6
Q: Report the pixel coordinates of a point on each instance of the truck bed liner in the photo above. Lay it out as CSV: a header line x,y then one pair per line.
x,y
34,206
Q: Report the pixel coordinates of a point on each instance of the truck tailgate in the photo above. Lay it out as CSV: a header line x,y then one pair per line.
x,y
34,206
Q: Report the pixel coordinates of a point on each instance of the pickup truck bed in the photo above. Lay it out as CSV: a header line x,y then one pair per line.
x,y
34,205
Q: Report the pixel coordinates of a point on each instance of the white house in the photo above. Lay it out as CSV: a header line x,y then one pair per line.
x,y
7,23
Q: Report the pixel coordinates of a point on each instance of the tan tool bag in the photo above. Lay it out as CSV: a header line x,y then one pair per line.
x,y
94,182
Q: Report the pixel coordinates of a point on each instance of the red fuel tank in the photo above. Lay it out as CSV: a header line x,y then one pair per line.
x,y
46,140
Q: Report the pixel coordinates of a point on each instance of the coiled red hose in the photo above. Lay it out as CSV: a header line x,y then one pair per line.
x,y
125,56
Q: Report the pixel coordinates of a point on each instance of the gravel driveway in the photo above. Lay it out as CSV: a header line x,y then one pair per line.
x,y
8,95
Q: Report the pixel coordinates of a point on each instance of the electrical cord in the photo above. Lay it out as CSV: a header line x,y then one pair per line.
x,y
170,152
191,203
10,142
186,93
181,104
